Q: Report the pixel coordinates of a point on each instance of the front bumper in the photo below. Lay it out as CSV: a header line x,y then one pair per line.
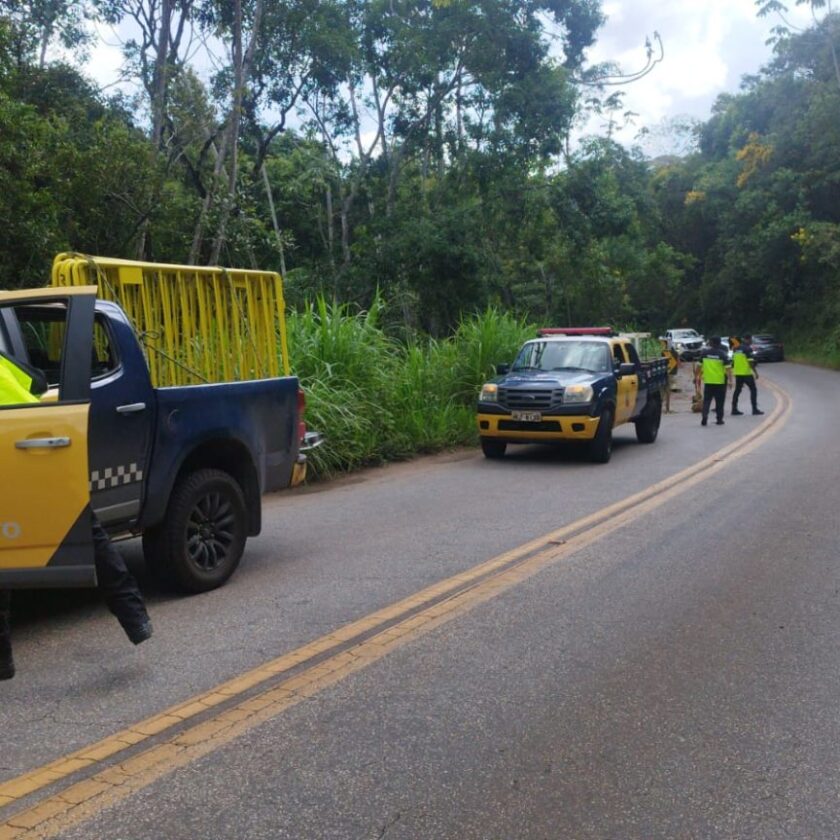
x,y
553,427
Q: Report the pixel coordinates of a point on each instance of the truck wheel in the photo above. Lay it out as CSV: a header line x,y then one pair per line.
x,y
600,447
647,426
493,448
200,543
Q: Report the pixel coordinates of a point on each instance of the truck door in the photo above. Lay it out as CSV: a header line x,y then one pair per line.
x,y
122,411
641,385
45,517
627,387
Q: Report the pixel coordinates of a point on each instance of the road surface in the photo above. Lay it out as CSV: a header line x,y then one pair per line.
x,y
536,647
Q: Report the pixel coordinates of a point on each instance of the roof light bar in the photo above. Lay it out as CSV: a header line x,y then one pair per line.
x,y
543,331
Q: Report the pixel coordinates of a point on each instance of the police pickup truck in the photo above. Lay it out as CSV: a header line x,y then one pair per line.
x,y
183,466
573,384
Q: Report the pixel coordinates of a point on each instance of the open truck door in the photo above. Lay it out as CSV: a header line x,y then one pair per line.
x,y
45,514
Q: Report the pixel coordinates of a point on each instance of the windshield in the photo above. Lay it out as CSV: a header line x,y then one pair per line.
x,y
764,339
685,334
560,355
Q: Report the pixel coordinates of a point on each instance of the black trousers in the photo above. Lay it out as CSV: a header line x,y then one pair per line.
x,y
749,381
5,625
117,584
716,393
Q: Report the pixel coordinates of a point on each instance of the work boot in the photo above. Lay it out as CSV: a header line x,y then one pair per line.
x,y
736,413
757,411
7,663
141,633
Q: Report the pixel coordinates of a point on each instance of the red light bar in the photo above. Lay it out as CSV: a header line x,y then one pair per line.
x,y
575,331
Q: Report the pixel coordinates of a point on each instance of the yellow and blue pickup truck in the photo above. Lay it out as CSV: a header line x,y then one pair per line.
x,y
182,464
574,384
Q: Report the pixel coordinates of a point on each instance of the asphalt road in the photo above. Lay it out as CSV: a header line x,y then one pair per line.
x,y
677,677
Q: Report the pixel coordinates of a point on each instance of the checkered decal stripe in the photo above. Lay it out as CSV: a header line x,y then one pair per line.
x,y
114,477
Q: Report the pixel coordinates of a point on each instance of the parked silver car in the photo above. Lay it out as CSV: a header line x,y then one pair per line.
x,y
687,342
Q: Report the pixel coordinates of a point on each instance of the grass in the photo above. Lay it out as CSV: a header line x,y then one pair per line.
x,y
820,351
379,400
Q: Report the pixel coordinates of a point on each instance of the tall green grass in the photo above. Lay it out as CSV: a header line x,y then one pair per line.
x,y
377,399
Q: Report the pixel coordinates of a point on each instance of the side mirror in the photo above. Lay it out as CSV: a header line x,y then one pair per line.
x,y
501,370
626,369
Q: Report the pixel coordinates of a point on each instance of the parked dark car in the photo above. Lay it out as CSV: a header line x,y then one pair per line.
x,y
767,348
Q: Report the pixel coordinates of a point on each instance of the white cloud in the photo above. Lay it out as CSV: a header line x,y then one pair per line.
x,y
709,45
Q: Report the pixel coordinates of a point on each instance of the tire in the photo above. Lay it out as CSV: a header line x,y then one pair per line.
x,y
600,447
494,449
647,426
200,542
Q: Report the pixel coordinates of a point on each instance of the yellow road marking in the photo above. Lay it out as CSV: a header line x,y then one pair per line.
x,y
81,800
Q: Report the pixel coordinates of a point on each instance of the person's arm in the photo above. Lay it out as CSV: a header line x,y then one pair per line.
x,y
753,363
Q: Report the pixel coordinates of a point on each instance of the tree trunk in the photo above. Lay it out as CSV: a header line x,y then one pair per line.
x,y
160,80
330,226
243,62
274,222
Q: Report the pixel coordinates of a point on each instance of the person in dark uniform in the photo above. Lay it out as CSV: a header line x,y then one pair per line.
x,y
715,371
20,385
743,366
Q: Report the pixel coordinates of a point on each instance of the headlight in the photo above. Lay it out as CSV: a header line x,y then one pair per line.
x,y
489,392
578,394
679,345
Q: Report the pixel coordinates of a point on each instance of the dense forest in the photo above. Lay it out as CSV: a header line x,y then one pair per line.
x,y
425,155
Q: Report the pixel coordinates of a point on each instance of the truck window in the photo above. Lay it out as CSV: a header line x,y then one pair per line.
x,y
43,328
105,360
557,355
618,354
33,341
632,355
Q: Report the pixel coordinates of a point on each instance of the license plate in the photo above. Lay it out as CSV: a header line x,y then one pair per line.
x,y
526,416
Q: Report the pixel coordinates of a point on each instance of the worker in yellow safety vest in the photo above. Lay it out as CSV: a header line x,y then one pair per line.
x,y
18,386
743,366
21,385
715,371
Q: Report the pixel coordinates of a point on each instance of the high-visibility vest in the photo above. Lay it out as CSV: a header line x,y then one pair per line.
x,y
15,384
741,364
714,368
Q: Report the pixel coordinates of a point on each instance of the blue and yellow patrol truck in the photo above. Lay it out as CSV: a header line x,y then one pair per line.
x,y
572,384
182,464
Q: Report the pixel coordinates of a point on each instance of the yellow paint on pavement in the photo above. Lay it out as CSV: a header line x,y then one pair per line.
x,y
402,622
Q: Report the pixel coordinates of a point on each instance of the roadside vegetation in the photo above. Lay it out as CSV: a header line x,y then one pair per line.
x,y
379,398
405,163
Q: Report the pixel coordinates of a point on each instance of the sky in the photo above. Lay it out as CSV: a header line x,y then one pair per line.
x,y
709,45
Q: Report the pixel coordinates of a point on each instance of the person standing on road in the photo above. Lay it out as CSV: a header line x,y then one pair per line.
x,y
715,372
20,386
743,366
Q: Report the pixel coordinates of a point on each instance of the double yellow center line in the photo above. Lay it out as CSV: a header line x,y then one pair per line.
x,y
76,787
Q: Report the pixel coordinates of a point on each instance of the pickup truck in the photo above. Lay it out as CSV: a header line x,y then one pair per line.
x,y
687,343
183,466
576,384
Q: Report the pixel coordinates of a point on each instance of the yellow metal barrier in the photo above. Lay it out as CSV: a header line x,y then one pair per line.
x,y
197,324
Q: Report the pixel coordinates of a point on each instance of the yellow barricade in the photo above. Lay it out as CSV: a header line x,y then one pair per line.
x,y
196,323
